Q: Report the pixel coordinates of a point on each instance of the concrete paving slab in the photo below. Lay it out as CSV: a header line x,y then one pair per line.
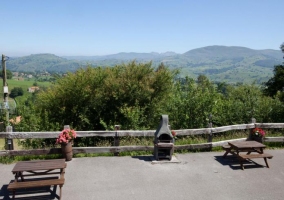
x,y
198,176
165,161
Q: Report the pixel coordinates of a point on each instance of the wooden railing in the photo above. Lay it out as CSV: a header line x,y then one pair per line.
x,y
122,133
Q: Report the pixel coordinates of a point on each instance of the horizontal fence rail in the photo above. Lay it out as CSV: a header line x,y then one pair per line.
x,y
124,133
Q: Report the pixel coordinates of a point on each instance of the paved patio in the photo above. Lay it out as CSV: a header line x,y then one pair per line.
x,y
203,176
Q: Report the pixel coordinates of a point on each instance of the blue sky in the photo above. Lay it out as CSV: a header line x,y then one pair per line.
x,y
101,27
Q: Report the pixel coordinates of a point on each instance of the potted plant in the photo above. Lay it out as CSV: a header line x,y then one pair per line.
x,y
66,138
174,135
257,134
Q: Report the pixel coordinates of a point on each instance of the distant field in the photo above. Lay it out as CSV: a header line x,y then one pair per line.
x,y
25,84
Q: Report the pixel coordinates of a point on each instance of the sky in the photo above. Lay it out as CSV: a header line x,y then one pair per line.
x,y
102,27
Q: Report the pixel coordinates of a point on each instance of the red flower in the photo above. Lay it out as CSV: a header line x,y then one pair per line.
x,y
258,132
66,136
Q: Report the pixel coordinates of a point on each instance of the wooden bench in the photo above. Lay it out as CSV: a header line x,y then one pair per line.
x,y
38,183
243,157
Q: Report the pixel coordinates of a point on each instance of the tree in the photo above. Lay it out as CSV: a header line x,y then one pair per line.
x,y
192,102
16,91
9,74
276,83
282,47
132,95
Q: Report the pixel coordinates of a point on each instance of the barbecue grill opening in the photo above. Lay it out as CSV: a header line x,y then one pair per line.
x,y
165,138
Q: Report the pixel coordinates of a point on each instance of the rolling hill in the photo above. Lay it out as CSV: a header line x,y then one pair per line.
x,y
219,63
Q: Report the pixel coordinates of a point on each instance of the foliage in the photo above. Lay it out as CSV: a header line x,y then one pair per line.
x,y
282,47
128,94
33,120
16,91
243,102
276,83
9,74
191,103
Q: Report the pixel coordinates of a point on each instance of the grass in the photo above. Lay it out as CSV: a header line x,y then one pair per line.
x,y
16,144
25,84
2,144
12,159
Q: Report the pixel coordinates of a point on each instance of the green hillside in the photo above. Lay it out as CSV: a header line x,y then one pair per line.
x,y
219,63
42,62
228,64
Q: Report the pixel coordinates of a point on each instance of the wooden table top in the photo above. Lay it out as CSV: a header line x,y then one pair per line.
x,y
246,144
39,165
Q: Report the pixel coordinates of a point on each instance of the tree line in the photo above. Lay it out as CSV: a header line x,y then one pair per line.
x,y
134,95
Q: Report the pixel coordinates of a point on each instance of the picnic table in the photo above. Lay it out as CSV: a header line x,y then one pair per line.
x,y
253,150
41,169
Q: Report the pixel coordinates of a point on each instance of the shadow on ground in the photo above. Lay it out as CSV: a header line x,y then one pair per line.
x,y
144,158
234,163
26,194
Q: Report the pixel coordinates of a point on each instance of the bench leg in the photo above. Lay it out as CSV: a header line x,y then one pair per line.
x,y
241,163
60,192
53,192
226,153
14,192
265,159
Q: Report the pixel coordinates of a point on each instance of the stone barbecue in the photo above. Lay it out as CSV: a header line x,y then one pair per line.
x,y
164,141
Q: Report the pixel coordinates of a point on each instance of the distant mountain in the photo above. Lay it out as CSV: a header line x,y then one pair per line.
x,y
42,62
219,63
123,56
229,64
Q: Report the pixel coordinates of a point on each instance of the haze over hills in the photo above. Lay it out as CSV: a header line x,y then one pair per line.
x,y
219,63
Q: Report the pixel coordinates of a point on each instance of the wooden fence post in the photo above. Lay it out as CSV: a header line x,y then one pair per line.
x,y
66,127
9,142
116,138
253,121
210,126
210,136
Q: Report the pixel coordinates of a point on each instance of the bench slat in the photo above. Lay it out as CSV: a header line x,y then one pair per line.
x,y
39,165
248,156
251,156
30,184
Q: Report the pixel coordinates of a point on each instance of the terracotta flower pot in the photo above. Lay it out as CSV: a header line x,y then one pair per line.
x,y
67,151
